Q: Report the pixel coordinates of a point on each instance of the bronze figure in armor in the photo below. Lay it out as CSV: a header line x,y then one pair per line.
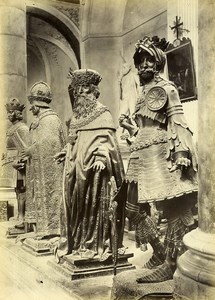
x,y
163,164
17,138
91,159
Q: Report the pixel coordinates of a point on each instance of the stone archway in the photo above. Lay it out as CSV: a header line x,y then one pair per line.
x,y
58,20
55,39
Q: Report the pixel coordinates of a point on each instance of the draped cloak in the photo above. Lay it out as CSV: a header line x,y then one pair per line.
x,y
85,223
45,182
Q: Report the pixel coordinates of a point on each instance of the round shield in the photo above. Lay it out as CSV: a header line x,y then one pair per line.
x,y
156,98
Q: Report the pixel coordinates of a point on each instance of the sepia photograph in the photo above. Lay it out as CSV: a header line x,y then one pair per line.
x,y
107,163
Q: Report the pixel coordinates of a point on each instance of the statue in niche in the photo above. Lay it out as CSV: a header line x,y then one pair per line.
x,y
91,158
129,89
17,138
163,166
45,189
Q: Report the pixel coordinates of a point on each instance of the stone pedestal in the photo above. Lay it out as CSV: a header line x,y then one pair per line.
x,y
13,232
79,268
40,247
7,194
3,211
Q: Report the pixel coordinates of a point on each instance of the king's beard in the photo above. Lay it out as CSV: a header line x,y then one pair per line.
x,y
84,105
146,75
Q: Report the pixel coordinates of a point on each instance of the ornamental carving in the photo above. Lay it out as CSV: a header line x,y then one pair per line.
x,y
73,13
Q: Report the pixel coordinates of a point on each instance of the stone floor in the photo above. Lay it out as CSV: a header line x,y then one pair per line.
x,y
24,276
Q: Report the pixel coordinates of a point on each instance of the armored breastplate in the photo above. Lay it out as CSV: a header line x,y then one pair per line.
x,y
153,102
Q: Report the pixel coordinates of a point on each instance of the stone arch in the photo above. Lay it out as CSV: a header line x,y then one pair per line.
x,y
58,20
69,52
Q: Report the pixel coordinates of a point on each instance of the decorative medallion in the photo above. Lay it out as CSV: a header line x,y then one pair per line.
x,y
156,98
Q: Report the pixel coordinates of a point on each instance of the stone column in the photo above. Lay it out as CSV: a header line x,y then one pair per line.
x,y
195,276
13,72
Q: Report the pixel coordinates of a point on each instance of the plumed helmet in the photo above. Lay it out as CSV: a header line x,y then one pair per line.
x,y
40,94
155,47
84,77
14,104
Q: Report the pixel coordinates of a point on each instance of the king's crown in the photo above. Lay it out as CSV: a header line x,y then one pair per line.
x,y
84,77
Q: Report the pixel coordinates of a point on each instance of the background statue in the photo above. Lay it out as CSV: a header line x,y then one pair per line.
x,y
92,158
162,166
47,139
129,89
17,138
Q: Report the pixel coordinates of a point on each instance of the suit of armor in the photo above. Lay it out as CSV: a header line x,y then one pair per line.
x,y
163,165
17,138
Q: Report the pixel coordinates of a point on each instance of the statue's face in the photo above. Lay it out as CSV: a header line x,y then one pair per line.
x,y
81,94
83,89
34,109
11,116
84,100
147,68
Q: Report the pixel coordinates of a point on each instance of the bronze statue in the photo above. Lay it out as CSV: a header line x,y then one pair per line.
x,y
162,166
17,138
47,138
129,89
91,158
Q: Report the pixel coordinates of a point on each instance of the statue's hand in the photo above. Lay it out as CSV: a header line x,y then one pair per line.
x,y
19,165
182,163
123,121
98,166
60,157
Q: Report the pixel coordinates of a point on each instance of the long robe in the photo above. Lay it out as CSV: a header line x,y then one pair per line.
x,y
85,223
45,191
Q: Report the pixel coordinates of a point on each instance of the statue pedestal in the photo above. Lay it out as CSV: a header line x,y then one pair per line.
x,y
126,287
79,268
13,232
3,211
40,247
7,194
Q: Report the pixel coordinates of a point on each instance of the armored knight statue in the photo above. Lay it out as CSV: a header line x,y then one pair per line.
x,y
17,138
91,158
163,165
47,138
